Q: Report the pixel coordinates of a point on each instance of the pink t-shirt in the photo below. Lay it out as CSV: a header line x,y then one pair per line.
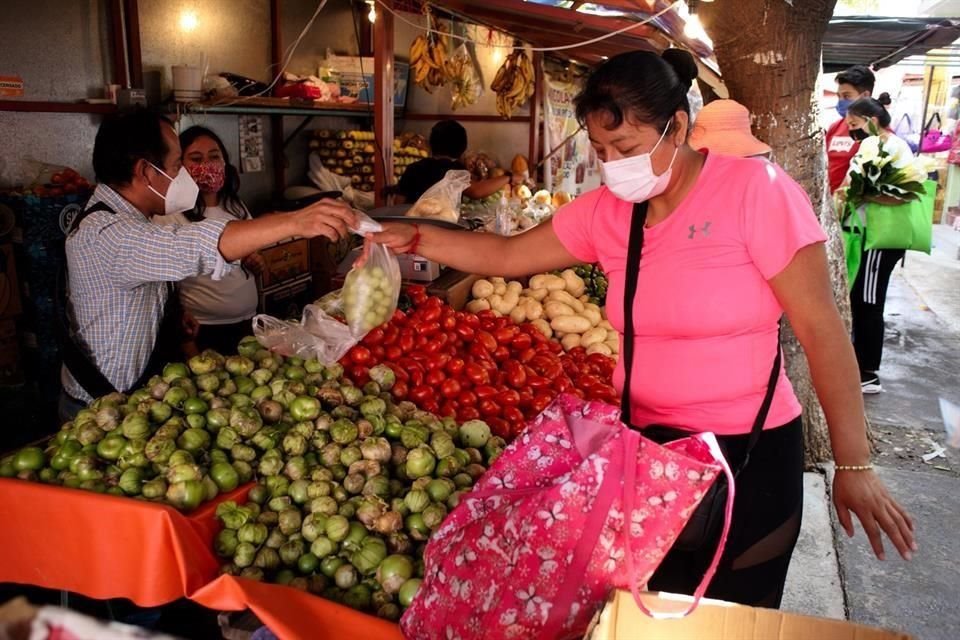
x,y
705,317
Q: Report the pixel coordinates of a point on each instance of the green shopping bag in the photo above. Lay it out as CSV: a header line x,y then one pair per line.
x,y
853,232
903,226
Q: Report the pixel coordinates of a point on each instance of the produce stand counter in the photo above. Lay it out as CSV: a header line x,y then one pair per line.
x,y
104,546
453,287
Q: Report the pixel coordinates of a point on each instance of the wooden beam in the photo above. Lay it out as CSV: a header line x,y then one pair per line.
x,y
276,38
432,117
33,106
118,44
536,104
279,158
383,117
131,14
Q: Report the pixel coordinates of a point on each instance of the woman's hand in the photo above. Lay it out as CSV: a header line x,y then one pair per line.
x,y
189,325
865,494
396,236
328,218
254,263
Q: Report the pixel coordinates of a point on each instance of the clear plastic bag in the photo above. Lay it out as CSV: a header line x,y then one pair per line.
x,y
442,200
368,299
465,85
327,180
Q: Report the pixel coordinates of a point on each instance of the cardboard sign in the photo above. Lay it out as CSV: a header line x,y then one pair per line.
x,y
11,87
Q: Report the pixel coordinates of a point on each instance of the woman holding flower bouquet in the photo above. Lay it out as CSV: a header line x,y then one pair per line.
x,y
869,122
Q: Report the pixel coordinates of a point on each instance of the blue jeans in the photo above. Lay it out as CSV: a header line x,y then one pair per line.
x,y
68,407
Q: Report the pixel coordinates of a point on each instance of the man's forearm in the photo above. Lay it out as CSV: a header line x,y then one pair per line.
x,y
243,237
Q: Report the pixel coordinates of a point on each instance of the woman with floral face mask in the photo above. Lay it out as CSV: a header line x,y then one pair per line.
x,y
217,313
728,246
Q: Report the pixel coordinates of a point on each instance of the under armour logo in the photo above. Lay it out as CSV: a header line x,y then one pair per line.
x,y
705,231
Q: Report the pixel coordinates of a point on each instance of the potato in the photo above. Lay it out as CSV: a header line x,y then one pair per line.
x,y
570,324
498,280
476,306
611,335
554,283
614,345
519,314
606,324
593,336
600,348
514,287
537,282
534,309
556,309
567,299
543,327
504,304
573,284
482,289
570,341
592,315
537,294
584,298
500,288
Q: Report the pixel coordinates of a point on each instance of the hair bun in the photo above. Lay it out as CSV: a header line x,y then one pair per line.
x,y
884,99
683,64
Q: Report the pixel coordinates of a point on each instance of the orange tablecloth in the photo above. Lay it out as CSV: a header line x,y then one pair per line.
x,y
105,546
292,614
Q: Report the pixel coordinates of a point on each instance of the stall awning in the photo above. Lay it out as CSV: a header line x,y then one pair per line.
x,y
883,42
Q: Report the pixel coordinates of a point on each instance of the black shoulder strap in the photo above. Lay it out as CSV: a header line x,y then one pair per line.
x,y
83,370
632,275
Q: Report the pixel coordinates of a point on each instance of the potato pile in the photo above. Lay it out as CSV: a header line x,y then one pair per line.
x,y
556,304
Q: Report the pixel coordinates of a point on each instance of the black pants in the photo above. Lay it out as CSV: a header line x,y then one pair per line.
x,y
867,299
767,510
223,338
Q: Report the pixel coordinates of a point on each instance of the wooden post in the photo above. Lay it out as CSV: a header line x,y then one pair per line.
x,y
118,44
536,105
276,122
383,117
131,15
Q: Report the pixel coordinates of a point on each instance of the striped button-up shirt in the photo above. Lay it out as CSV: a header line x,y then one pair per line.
x,y
119,266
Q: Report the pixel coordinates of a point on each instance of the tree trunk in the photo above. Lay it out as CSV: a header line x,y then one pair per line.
x,y
769,53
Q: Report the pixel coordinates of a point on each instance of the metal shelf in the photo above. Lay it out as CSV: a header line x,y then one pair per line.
x,y
35,106
274,106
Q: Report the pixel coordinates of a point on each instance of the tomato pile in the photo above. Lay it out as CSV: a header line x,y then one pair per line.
x,y
468,366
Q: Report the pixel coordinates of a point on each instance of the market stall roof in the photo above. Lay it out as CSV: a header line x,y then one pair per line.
x,y
882,42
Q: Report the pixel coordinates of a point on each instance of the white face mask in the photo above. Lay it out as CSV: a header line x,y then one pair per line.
x,y
632,179
181,194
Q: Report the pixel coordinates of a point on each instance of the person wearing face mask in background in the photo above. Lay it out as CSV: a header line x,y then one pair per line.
x,y
729,245
120,267
216,313
854,83
868,296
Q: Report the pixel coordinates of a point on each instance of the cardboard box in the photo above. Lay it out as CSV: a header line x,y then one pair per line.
x,y
357,77
285,262
285,300
621,619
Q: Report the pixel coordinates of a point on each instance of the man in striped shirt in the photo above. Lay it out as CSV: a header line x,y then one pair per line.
x,y
120,265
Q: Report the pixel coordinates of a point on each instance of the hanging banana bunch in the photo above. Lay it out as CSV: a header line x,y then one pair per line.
x,y
514,82
428,58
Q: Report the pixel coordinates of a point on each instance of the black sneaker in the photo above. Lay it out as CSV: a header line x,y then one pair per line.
x,y
870,383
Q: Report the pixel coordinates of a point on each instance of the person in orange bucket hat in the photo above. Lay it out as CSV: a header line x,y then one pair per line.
x,y
723,126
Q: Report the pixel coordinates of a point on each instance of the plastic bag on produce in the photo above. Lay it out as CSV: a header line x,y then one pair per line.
x,y
442,200
368,299
327,180
578,499
465,85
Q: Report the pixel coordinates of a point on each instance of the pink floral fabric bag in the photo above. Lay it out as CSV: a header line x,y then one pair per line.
x,y
577,505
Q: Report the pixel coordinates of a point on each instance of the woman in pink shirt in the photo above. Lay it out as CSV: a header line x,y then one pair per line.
x,y
728,246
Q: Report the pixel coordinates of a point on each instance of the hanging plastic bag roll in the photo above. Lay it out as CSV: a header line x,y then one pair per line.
x,y
368,299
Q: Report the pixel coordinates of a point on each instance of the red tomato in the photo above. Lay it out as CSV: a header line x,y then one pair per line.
x,y
376,336
516,374
470,319
488,409
466,332
505,335
400,390
476,374
499,426
360,375
450,388
428,328
486,340
430,346
521,342
527,355
540,402
448,321
359,355
421,395
435,377
455,366
526,398
467,398
467,413
508,397
431,314
563,385
406,342
538,383
514,416
485,392
587,381
448,410
501,354
399,317
57,178
489,366
377,353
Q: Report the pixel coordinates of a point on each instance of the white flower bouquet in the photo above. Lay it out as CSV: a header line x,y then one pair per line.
x,y
877,172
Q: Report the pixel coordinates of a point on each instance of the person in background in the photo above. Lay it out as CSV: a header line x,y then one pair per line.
x,y
448,142
723,126
731,244
216,313
854,83
121,266
869,293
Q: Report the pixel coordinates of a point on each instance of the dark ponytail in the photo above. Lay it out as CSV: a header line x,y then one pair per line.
x,y
640,86
873,108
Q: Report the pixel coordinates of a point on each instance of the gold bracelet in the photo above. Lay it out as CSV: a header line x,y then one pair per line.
x,y
854,467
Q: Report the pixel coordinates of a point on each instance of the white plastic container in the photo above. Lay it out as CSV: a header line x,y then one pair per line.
x,y
187,83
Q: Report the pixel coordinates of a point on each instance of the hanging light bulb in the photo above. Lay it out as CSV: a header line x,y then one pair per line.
x,y
189,20
372,15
